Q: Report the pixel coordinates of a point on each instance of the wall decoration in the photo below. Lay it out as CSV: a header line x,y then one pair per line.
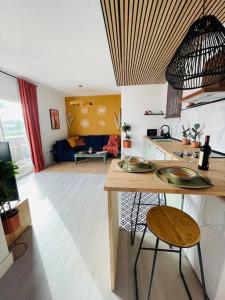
x,y
101,110
54,117
84,123
111,104
84,109
69,119
117,120
102,123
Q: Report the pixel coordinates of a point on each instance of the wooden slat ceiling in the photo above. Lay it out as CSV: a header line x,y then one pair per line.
x,y
144,34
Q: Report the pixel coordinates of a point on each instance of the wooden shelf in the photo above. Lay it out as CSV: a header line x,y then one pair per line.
x,y
154,114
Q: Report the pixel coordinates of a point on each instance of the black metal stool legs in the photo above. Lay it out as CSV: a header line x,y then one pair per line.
x,y
132,234
153,268
202,273
156,249
135,265
182,276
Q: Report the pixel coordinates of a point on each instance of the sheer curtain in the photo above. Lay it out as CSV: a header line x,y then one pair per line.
x,y
12,127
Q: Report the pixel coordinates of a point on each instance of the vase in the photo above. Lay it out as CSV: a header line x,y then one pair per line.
x,y
10,221
185,141
195,144
126,143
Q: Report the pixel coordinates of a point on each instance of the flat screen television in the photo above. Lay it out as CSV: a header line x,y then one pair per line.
x,y
5,155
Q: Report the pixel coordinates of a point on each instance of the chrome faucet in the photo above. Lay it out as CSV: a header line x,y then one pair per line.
x,y
165,134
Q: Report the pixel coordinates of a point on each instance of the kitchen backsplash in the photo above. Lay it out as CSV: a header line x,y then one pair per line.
x,y
211,117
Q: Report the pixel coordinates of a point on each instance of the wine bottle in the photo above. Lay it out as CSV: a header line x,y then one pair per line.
x,y
204,154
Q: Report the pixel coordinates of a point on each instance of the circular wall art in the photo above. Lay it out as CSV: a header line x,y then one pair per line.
x,y
101,110
84,109
102,123
84,123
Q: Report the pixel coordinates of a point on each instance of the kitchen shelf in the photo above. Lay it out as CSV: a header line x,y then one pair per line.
x,y
201,104
154,114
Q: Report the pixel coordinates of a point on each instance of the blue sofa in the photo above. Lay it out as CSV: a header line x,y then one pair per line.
x,y
63,151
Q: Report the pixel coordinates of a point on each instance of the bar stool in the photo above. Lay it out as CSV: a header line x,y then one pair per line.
x,y
176,228
137,202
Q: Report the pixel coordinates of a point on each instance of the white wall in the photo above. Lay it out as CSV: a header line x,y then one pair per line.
x,y
135,100
212,121
49,98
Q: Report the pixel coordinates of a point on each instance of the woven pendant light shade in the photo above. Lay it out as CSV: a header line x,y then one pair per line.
x,y
200,59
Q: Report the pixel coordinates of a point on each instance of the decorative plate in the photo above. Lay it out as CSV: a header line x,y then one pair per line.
x,y
84,109
84,123
101,110
102,123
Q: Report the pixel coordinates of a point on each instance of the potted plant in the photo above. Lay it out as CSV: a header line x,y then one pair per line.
x,y
126,128
186,134
10,217
194,135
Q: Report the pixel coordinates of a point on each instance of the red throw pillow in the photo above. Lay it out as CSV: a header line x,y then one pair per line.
x,y
81,142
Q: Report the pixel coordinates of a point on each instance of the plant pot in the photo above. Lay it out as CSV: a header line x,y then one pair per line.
x,y
195,144
185,141
126,143
10,221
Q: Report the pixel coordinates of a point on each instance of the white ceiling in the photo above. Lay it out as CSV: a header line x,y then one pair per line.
x,y
60,43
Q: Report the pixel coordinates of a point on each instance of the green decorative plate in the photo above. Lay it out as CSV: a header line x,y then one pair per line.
x,y
142,168
197,182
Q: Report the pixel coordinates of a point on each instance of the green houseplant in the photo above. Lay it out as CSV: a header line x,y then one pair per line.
x,y
194,135
186,134
126,128
9,216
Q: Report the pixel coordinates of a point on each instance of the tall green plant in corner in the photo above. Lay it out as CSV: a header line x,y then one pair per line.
x,y
9,216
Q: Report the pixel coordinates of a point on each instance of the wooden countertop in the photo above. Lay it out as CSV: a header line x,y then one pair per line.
x,y
118,180
171,147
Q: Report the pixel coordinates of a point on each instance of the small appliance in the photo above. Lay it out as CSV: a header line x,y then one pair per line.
x,y
151,132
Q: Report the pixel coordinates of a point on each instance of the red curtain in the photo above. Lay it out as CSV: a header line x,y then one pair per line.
x,y
28,97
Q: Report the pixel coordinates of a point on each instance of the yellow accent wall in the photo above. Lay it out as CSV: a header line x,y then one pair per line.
x,y
91,117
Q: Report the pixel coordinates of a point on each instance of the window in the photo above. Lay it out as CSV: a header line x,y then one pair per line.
x,y
13,131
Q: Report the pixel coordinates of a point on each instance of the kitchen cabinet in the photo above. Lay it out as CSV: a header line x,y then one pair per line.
x,y
160,155
209,213
174,200
152,152
149,150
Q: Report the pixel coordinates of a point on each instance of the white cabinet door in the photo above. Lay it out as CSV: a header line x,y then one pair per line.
x,y
149,150
160,155
209,213
174,200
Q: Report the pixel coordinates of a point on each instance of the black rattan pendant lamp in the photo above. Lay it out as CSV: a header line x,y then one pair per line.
x,y
200,59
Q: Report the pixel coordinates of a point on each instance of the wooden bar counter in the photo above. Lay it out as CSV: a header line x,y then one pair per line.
x,y
120,181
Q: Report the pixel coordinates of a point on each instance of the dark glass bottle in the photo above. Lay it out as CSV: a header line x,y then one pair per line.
x,y
204,155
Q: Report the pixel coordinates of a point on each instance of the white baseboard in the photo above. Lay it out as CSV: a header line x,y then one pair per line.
x,y
6,264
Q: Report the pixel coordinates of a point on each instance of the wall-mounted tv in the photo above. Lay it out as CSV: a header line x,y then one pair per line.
x,y
5,155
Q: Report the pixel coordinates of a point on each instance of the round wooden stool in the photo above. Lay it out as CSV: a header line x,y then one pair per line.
x,y
176,228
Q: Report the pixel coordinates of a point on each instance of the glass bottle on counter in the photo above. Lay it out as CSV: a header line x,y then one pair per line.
x,y
204,155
